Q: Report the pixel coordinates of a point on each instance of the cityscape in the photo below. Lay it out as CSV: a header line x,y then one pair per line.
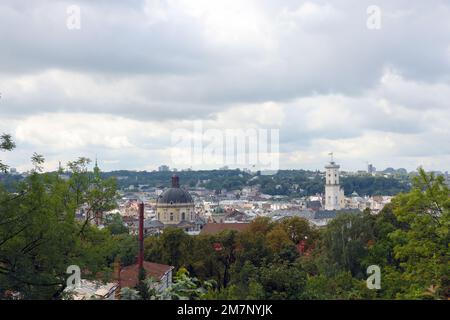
x,y
225,158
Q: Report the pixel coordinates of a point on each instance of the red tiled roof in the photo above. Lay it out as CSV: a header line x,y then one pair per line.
x,y
129,275
213,228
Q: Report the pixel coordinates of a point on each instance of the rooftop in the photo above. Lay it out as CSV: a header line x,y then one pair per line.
x,y
214,228
129,275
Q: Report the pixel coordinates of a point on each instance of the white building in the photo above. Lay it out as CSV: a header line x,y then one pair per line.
x,y
334,195
88,290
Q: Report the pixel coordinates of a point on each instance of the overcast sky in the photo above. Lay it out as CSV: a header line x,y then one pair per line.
x,y
134,71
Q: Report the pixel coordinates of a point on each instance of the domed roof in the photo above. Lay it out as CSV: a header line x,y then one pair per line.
x,y
175,194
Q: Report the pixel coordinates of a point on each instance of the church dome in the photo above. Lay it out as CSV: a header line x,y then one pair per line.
x,y
175,195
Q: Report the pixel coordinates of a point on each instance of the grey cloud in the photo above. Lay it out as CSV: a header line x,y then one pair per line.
x,y
176,65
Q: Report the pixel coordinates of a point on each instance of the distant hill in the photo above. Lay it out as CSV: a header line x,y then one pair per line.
x,y
292,183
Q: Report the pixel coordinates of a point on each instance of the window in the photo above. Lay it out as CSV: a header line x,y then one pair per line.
x,y
171,216
183,216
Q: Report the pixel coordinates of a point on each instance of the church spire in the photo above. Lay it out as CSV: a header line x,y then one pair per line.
x,y
96,169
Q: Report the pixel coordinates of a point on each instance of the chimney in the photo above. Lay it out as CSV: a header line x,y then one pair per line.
x,y
175,181
117,269
141,236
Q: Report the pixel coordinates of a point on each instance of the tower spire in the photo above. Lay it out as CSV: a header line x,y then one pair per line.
x,y
96,169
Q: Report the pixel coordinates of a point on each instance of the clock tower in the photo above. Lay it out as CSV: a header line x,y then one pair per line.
x,y
334,195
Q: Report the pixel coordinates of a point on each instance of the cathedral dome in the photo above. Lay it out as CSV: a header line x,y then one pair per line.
x,y
175,195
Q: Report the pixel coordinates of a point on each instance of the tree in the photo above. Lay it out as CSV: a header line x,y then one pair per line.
x,y
421,247
6,144
345,244
339,286
186,287
36,236
91,191
282,281
129,294
261,225
227,254
143,286
278,238
299,229
175,247
114,223
40,238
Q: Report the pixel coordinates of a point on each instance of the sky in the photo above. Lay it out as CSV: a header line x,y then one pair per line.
x,y
117,80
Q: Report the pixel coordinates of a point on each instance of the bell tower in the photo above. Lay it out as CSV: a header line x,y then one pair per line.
x,y
334,195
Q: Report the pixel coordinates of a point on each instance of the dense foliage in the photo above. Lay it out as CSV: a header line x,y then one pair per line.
x,y
408,240
291,183
40,236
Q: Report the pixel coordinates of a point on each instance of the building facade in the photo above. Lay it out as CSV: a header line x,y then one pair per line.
x,y
334,194
176,208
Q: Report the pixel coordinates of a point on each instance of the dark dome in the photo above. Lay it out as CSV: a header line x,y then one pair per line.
x,y
175,195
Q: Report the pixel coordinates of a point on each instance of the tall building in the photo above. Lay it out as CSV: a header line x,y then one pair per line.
x,y
334,195
163,168
371,169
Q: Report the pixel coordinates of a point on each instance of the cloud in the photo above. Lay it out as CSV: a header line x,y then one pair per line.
x,y
137,70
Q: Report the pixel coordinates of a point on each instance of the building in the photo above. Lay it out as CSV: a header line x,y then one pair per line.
x,y
161,273
92,290
163,168
215,228
129,275
175,208
334,195
371,169
151,227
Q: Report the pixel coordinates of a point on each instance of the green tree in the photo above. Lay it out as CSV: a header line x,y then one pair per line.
x,y
186,287
345,244
40,238
421,247
129,294
175,247
114,223
91,191
282,281
6,144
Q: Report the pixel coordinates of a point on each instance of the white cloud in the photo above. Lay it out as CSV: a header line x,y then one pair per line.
x,y
137,70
